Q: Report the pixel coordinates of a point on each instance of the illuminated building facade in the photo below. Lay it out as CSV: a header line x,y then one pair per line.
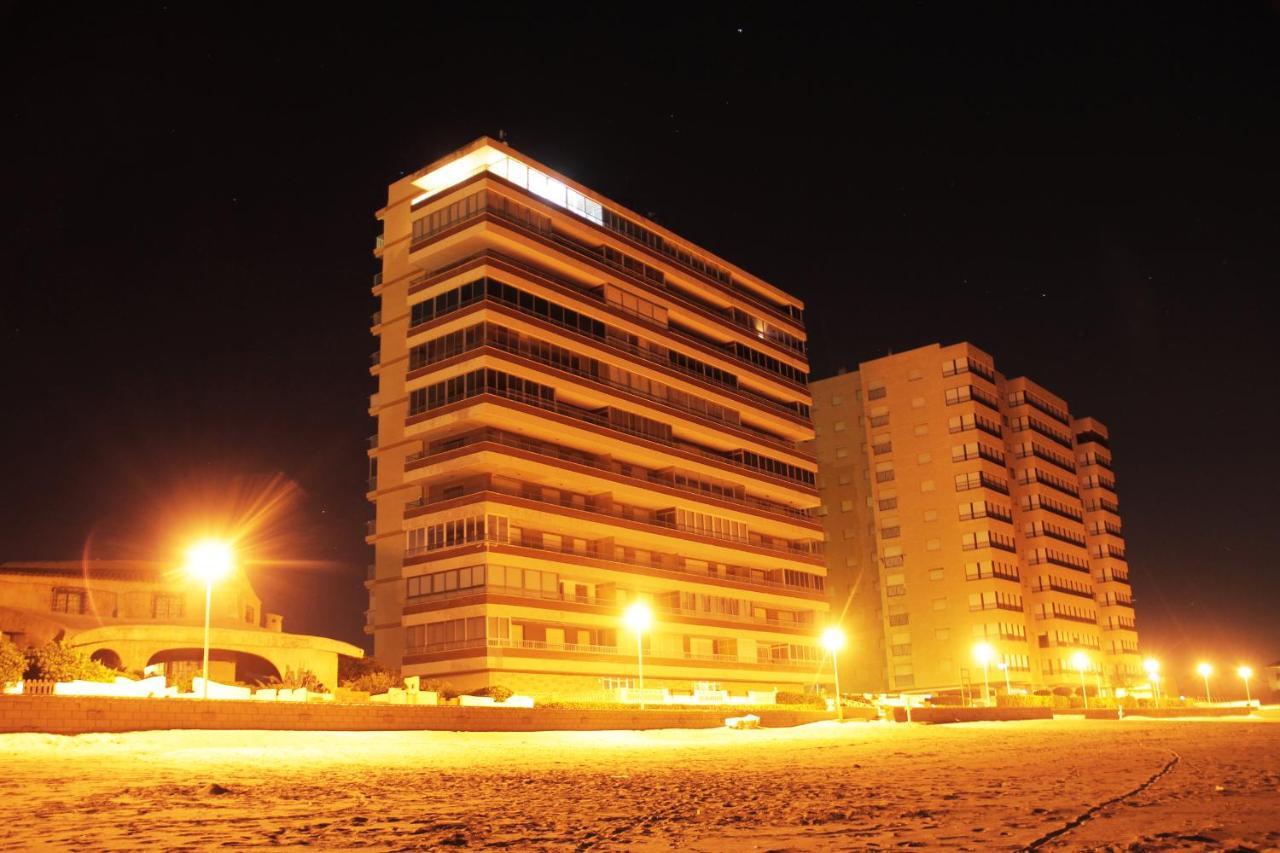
x,y
577,409
964,507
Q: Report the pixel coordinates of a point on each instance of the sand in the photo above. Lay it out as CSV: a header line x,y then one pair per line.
x,y
976,786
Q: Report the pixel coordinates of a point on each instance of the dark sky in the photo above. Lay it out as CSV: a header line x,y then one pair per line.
x,y
189,201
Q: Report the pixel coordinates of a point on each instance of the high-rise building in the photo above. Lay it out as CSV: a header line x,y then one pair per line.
x,y
962,508
578,409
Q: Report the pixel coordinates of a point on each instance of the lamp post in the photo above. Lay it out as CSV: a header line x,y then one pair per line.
x,y
1152,666
1245,673
1004,667
983,653
833,641
1081,661
208,561
1205,671
639,618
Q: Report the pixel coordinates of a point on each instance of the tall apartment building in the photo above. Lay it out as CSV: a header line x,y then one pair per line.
x,y
578,409
964,507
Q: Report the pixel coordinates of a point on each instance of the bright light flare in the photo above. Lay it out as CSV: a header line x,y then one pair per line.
x,y
638,617
1245,672
1080,661
1205,670
1151,665
832,639
983,653
209,560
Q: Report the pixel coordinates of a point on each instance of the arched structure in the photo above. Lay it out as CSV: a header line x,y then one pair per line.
x,y
255,653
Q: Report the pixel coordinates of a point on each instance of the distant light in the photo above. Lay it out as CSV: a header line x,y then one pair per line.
x,y
1205,670
209,560
832,639
1245,672
638,617
1151,665
983,653
1002,666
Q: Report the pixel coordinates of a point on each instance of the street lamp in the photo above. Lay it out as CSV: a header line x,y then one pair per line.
x,y
1081,662
1004,667
833,641
639,618
983,653
1245,673
1152,666
208,561
1205,671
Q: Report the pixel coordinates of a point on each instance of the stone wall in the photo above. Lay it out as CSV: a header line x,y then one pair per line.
x,y
81,714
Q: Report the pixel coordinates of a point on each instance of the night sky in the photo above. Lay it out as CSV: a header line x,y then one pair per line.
x,y
188,221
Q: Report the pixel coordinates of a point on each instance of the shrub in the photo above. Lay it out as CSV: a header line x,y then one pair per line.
x,y
367,675
443,688
54,661
294,679
808,700
13,663
1024,701
498,694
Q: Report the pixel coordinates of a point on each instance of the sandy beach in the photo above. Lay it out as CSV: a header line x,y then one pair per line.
x,y
978,786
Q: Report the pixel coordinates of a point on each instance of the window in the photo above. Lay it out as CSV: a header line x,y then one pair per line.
x,y
940,604
886,504
917,403
164,606
924,458
942,633
846,506
68,600
891,532
935,574
876,393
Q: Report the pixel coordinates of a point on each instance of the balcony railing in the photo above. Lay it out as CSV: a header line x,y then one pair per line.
x,y
743,576
563,454
579,648
539,225
595,418
636,515
609,604
615,343
702,412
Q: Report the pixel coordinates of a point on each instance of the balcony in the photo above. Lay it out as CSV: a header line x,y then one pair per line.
x,y
540,226
702,410
377,279
802,478
577,648
638,474
613,342
604,605
635,515
739,576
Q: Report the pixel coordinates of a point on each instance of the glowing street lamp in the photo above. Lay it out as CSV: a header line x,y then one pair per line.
x,y
1152,666
1004,667
983,653
1205,671
833,641
639,618
1245,673
208,561
1081,662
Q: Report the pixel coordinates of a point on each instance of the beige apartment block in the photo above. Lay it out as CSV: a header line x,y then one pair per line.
x,y
964,507
578,409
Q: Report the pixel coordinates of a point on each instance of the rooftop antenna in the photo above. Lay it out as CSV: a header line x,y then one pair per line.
x,y
502,135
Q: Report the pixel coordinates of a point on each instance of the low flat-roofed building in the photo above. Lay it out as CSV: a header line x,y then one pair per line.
x,y
132,614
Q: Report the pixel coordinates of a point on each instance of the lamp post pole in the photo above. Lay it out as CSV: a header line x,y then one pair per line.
x,y
1008,688
1084,693
835,666
208,606
640,665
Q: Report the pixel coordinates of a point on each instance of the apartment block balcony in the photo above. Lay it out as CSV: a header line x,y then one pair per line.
x,y
608,606
552,453
660,520
739,576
